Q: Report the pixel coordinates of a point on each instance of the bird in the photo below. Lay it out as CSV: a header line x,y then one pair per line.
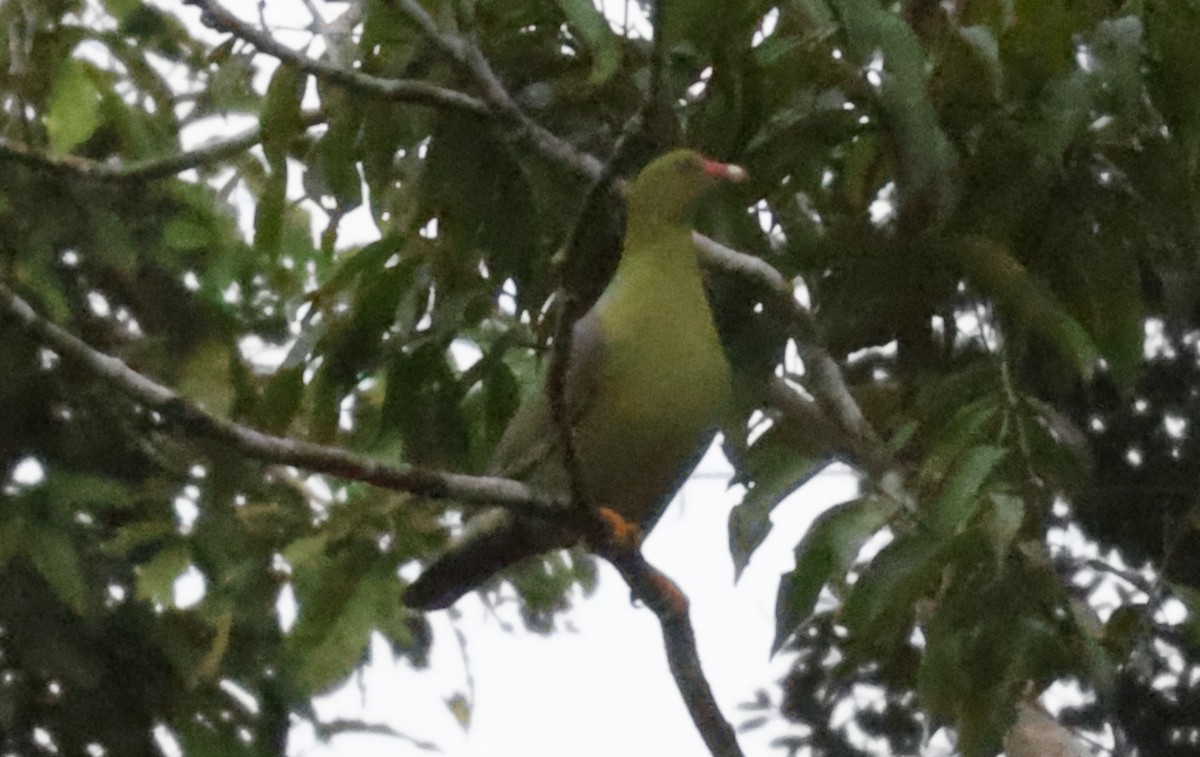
x,y
645,387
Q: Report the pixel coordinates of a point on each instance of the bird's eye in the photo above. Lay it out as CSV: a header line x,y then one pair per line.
x,y
689,164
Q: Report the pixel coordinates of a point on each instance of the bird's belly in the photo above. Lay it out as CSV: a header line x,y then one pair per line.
x,y
636,455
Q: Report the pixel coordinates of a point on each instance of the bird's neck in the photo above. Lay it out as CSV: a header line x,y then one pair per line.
x,y
660,254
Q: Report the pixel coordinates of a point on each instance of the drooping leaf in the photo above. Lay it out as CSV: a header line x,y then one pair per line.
x,y
996,273
825,552
55,555
156,578
350,597
776,469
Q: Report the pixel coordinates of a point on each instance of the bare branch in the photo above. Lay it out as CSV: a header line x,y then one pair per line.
x,y
275,449
399,90
151,169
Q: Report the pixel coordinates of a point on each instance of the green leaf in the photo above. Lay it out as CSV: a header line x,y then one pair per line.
x,y
959,495
926,156
592,27
74,112
114,244
205,376
210,667
460,708
80,490
982,42
268,215
879,606
996,273
281,118
140,534
184,234
776,473
281,399
1002,522
826,552
352,595
967,426
11,542
156,578
55,556
120,8
332,169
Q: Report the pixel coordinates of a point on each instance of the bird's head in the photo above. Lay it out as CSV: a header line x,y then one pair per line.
x,y
670,185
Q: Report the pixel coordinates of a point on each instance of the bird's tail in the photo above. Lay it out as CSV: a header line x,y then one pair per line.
x,y
492,541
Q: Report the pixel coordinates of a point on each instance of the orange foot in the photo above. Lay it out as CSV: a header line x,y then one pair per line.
x,y
616,534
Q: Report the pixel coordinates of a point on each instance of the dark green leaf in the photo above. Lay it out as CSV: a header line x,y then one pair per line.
x,y
960,493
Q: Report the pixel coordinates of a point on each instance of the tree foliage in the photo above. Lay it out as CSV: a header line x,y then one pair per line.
x,y
989,208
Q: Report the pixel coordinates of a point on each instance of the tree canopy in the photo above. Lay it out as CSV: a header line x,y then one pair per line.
x,y
965,263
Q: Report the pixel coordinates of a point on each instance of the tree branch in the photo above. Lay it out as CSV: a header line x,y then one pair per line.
x,y
669,604
479,490
828,384
518,126
143,170
399,90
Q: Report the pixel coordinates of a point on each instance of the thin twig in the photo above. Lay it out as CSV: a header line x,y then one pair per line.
x,y
333,728
399,90
143,170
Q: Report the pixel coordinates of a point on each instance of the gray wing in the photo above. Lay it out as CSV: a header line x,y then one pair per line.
x,y
530,449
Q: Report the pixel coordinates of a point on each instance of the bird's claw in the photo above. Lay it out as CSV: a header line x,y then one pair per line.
x,y
615,534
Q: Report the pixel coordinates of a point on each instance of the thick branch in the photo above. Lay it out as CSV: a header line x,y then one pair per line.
x,y
399,90
143,170
275,449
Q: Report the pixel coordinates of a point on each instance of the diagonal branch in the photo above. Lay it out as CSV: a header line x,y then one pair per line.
x,y
399,90
517,126
828,383
478,490
333,728
668,603
144,170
